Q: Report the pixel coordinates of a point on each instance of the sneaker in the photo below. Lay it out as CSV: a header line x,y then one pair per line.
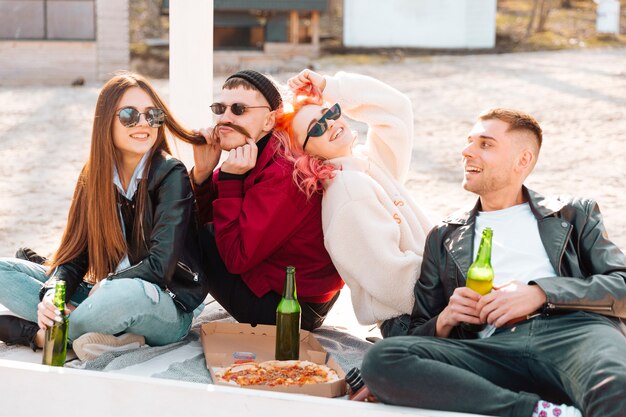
x,y
28,254
18,331
91,345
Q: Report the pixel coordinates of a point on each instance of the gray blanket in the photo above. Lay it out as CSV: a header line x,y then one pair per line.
x,y
347,350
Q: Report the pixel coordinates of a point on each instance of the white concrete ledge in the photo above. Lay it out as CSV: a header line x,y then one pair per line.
x,y
30,389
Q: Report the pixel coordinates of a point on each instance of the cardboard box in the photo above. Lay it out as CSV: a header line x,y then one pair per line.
x,y
221,340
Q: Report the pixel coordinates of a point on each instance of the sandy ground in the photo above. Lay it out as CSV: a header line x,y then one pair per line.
x,y
579,97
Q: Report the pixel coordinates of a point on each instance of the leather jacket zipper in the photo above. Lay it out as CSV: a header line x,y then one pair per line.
x,y
187,269
173,295
110,276
552,306
569,232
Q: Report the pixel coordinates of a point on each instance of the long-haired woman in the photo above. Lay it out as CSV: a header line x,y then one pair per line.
x,y
373,230
128,253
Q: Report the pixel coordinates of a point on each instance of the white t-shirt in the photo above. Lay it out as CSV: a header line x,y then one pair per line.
x,y
517,253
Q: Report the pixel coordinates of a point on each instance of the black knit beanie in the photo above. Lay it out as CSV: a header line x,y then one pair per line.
x,y
263,84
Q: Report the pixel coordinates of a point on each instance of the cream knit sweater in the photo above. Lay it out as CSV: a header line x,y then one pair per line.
x,y
373,230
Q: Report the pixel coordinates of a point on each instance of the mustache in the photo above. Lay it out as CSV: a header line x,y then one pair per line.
x,y
233,126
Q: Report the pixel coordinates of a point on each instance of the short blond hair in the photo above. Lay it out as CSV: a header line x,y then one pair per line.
x,y
517,120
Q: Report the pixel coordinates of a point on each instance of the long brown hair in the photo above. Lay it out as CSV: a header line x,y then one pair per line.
x,y
93,223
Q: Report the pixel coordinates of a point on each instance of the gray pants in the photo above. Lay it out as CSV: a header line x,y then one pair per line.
x,y
577,358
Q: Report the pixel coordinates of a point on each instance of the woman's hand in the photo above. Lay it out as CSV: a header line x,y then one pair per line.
x,y
47,313
305,79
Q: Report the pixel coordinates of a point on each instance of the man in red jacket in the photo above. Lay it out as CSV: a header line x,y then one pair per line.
x,y
257,220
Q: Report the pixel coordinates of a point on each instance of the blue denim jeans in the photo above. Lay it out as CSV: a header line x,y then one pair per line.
x,y
118,306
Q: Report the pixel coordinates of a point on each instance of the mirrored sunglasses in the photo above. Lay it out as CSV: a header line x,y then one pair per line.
x,y
237,108
321,126
129,117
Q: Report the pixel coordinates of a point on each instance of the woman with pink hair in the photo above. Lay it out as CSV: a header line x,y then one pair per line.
x,y
373,229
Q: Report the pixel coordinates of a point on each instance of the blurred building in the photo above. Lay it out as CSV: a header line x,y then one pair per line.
x,y
447,24
61,41
261,24
265,33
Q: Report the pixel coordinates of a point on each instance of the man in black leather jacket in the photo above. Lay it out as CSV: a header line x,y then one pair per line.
x,y
555,330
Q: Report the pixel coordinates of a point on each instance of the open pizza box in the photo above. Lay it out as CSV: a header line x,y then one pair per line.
x,y
221,340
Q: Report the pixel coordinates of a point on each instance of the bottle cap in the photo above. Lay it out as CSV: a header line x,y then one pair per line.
x,y
354,380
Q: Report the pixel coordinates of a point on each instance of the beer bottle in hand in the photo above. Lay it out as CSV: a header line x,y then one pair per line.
x,y
480,273
288,320
55,343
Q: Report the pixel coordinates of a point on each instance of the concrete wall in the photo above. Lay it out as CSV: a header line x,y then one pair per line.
x,y
46,62
112,37
62,62
106,394
420,23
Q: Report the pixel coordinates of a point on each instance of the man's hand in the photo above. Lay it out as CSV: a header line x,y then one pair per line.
x,y
305,79
462,308
510,301
205,157
241,159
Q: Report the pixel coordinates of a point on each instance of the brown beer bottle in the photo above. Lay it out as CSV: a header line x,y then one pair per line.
x,y
55,343
480,273
288,316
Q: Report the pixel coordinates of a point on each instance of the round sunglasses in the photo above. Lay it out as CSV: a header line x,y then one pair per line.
x,y
237,108
129,117
321,125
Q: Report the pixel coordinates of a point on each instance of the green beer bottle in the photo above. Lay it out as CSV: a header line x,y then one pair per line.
x,y
55,344
288,320
480,273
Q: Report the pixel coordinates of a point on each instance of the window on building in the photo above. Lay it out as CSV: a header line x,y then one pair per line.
x,y
235,30
48,19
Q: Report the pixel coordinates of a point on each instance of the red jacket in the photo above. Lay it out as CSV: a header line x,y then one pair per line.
x,y
264,223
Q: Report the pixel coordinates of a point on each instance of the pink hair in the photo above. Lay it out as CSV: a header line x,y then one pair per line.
x,y
309,171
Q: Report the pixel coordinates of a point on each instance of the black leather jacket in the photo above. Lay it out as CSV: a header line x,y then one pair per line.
x,y
170,257
591,269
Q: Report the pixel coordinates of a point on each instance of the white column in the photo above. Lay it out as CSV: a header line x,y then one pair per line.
x,y
191,67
